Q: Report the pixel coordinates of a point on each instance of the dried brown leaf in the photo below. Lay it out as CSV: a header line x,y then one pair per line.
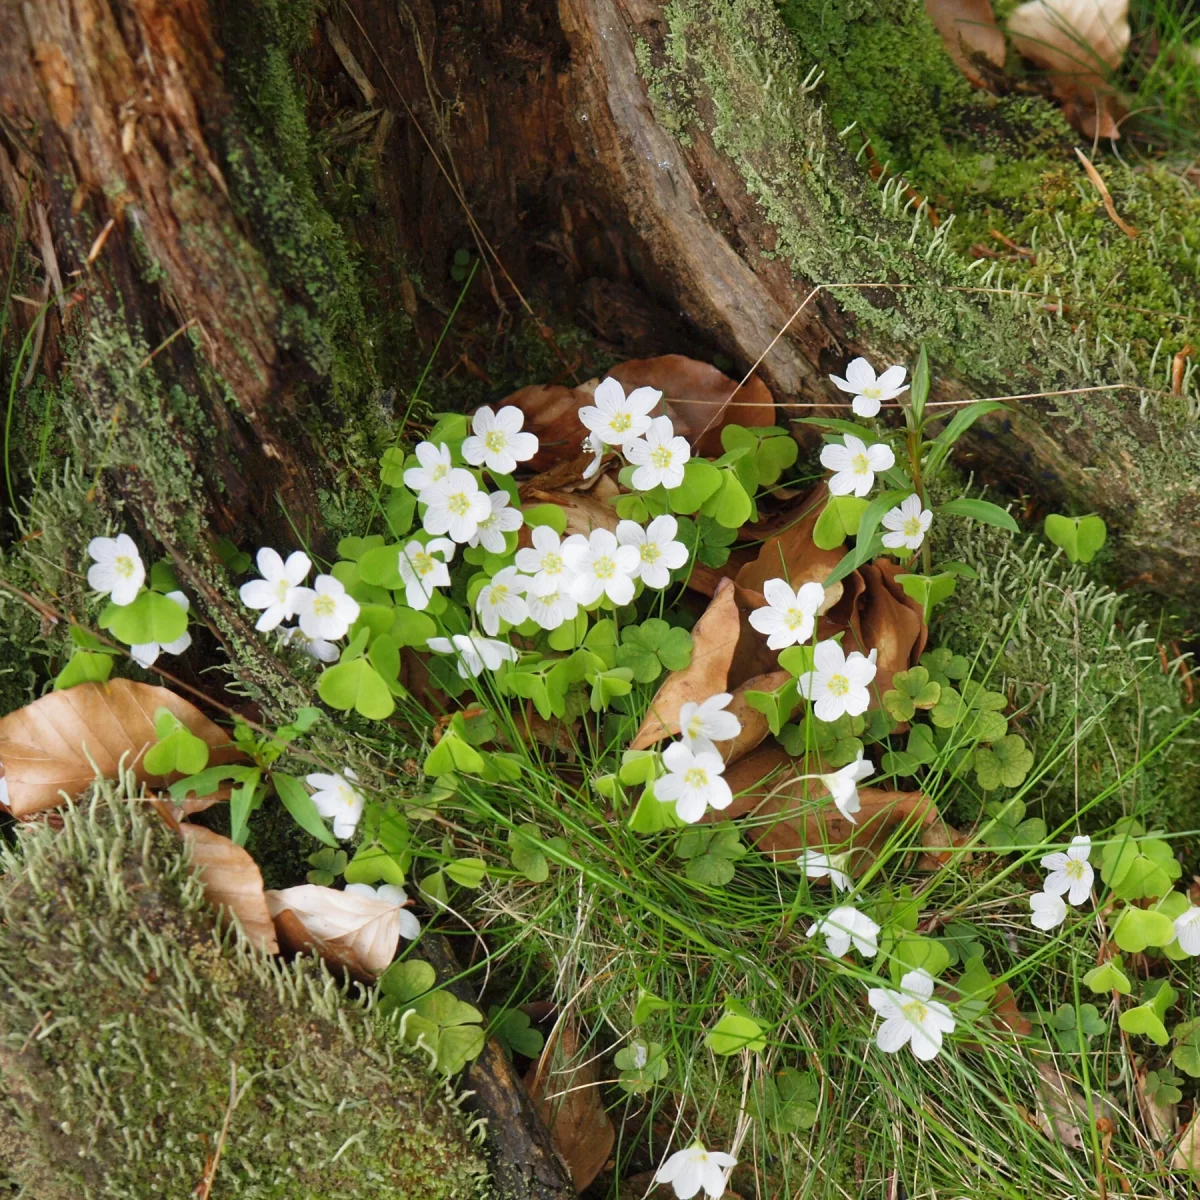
x,y
754,725
699,399
1078,42
232,883
359,933
1187,1152
968,29
58,743
584,512
552,412
1062,1109
714,642
564,1087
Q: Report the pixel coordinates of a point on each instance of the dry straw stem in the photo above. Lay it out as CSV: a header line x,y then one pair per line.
x,y
1110,208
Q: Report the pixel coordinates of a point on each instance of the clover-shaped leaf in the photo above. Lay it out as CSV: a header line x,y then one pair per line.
x,y
453,753
1005,764
513,1030
916,953
1186,1052
152,617
944,666
1080,537
1145,1020
1136,865
177,748
837,742
1109,977
1136,928
642,1065
788,1101
911,690
777,705
608,685
647,648
647,1005
735,1031
1162,1087
1010,827
356,685
710,853
838,520
1069,1022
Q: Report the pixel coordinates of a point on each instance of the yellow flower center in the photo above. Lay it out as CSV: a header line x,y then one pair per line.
x,y
422,563
839,685
438,472
661,457
696,777
860,465
915,1011
324,605
459,504
604,568
871,391
495,440
124,566
651,553
694,726
795,618
1075,868
497,594
281,590
620,423
552,564
912,527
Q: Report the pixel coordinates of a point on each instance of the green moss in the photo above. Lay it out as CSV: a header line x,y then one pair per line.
x,y
1083,668
124,1016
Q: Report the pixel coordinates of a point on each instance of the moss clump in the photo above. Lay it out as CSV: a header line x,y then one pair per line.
x,y
124,1017
1074,655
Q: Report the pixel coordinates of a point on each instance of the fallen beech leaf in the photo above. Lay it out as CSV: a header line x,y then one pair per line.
x,y
1062,1110
699,399
754,724
714,641
570,1103
232,883
1006,1012
59,743
359,933
584,512
1187,1153
1075,40
968,29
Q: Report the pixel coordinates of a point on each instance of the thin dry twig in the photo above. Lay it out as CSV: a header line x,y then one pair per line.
x,y
205,1186
1109,207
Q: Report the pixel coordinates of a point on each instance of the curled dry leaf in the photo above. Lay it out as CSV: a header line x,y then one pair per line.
x,y
1078,42
1187,1153
232,883
1062,1109
714,642
754,725
785,815
552,412
359,933
563,1085
57,744
969,30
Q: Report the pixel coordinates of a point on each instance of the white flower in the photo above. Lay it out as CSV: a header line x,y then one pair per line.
x,y
658,552
1070,872
817,865
117,571
502,520
422,573
335,797
325,611
435,463
498,442
502,598
317,648
855,465
693,781
1048,911
616,418
660,457
455,505
552,610
687,1171
1187,930
908,523
273,593
789,616
868,391
474,652
909,1015
593,444
544,562
700,725
837,683
845,925
842,786
392,893
600,567
146,653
